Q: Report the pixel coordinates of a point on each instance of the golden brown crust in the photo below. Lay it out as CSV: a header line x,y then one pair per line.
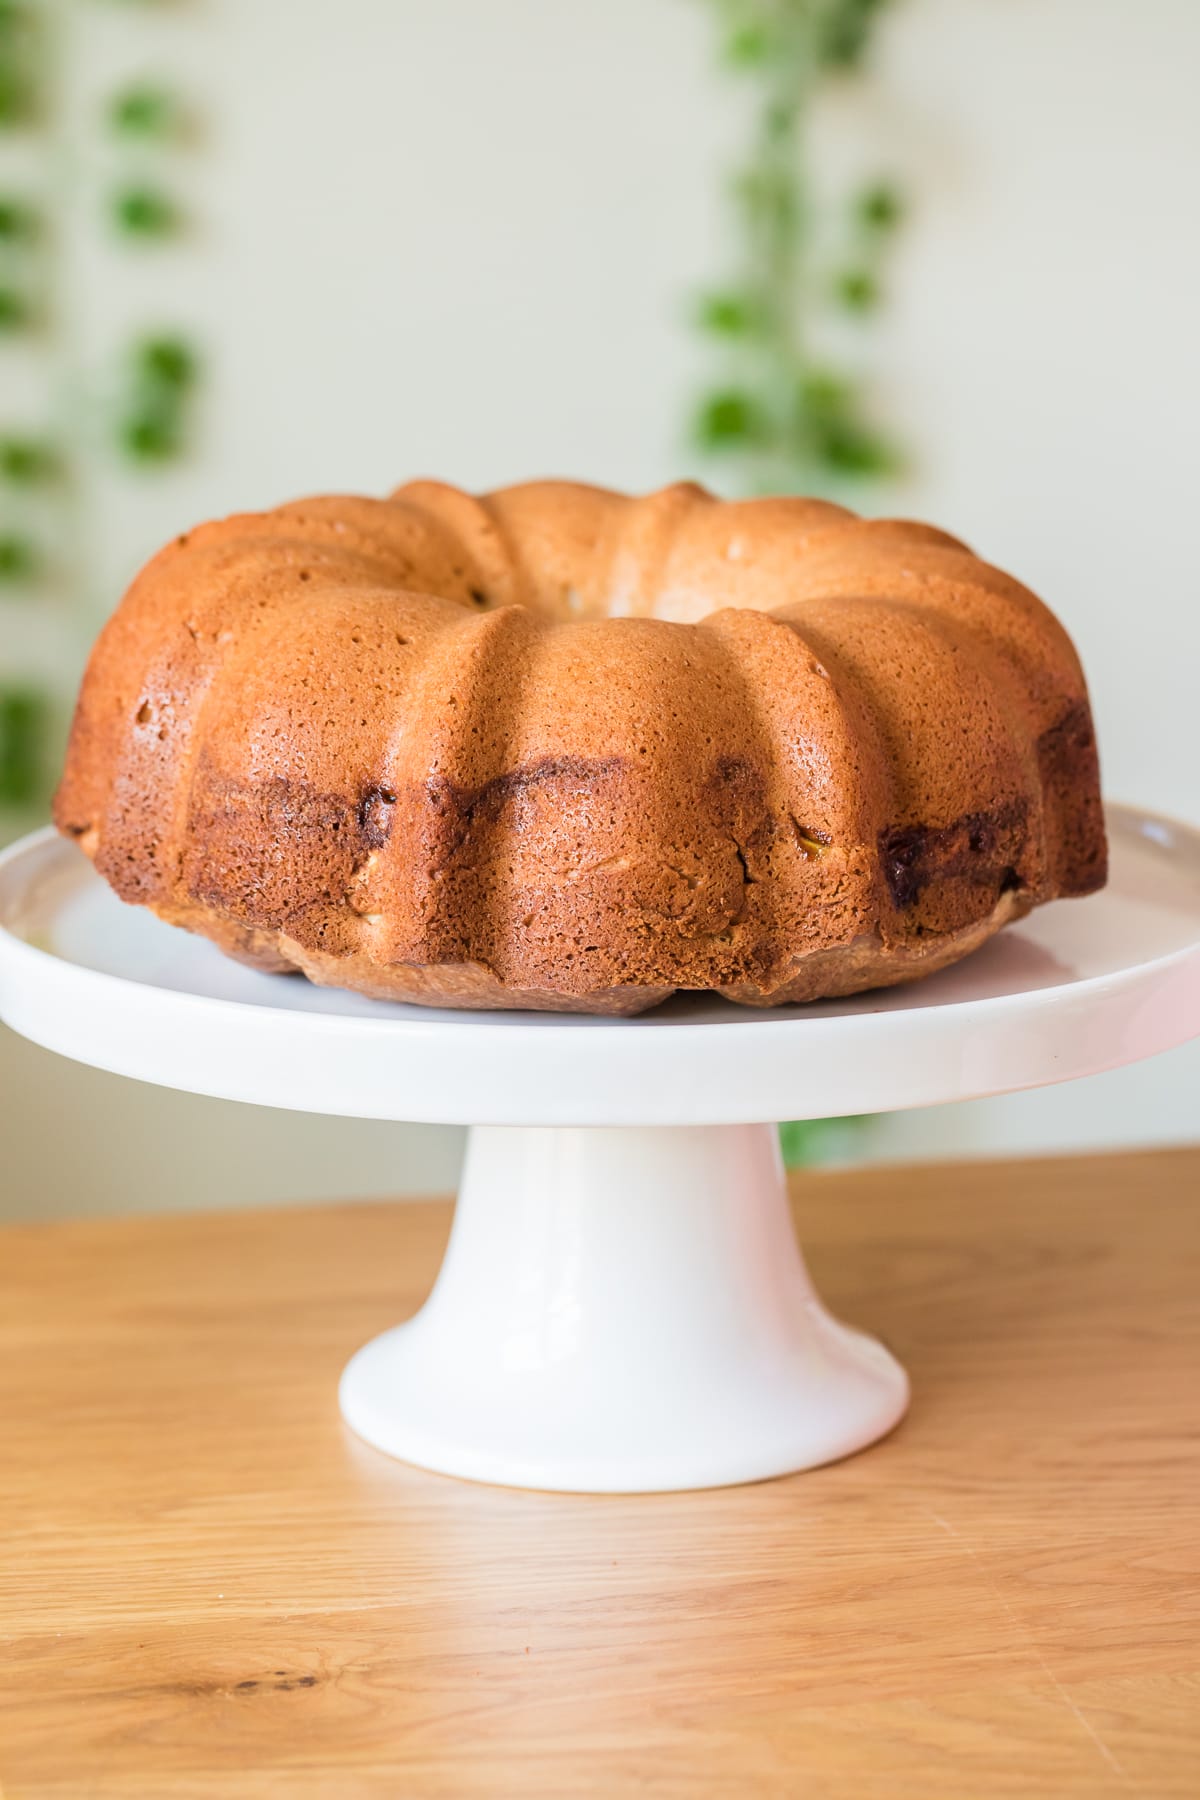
x,y
558,748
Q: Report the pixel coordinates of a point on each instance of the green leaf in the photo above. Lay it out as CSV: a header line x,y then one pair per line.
x,y
26,462
849,447
767,197
145,212
748,47
18,220
144,111
728,314
20,28
730,418
168,362
24,717
18,558
163,369
152,434
18,96
828,426
825,394
880,207
15,310
844,32
857,290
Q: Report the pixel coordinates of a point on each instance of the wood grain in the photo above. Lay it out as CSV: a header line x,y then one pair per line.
x,y
208,1587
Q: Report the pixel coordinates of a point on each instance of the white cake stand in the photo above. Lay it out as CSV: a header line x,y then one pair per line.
x,y
623,1307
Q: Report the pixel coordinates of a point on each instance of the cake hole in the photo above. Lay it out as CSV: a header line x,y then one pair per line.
x,y
306,574
402,640
145,713
478,597
812,843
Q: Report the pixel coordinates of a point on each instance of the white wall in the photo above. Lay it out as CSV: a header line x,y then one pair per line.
x,y
459,239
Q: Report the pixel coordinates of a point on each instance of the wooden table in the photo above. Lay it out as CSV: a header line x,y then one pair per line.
x,y
210,1588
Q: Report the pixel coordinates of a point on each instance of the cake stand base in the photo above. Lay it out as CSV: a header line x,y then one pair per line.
x,y
622,1310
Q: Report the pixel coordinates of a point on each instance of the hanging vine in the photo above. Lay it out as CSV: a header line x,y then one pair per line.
x,y
45,545
782,415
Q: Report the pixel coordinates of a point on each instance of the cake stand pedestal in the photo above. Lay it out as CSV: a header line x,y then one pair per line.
x,y
622,1309
623,1306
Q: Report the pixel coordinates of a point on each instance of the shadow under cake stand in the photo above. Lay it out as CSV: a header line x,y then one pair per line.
x,y
622,1306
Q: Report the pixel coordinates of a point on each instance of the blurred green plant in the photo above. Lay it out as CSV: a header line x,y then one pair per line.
x,y
43,466
161,372
779,416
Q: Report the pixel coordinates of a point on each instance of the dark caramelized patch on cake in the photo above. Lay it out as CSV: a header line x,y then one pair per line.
x,y
734,776
735,799
453,810
1064,744
1069,768
375,814
977,848
267,851
551,769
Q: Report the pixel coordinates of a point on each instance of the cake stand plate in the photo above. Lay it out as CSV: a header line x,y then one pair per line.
x,y
622,1307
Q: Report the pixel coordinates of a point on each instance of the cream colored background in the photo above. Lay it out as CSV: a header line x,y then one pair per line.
x,y
459,239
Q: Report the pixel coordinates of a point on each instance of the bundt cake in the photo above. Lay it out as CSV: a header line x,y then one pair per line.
x,y
559,748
